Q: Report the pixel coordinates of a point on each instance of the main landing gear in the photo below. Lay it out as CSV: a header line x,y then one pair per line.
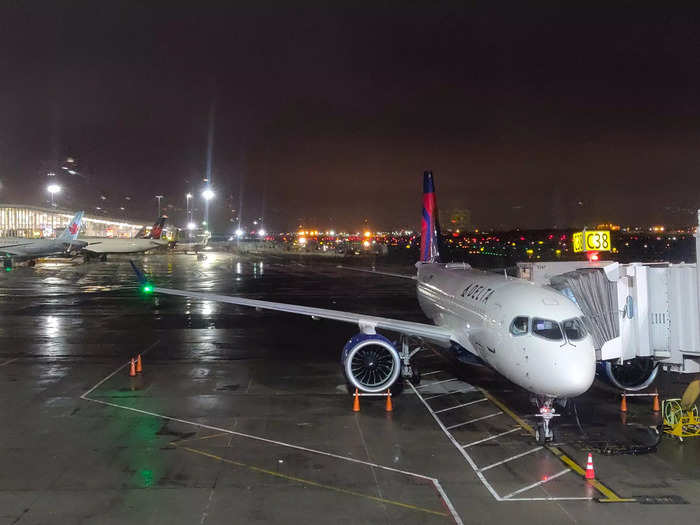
x,y
543,433
409,372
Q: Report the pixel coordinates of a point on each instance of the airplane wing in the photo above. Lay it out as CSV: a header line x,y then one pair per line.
x,y
364,322
369,270
11,249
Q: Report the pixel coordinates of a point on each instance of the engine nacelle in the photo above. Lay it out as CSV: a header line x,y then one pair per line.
x,y
371,363
635,374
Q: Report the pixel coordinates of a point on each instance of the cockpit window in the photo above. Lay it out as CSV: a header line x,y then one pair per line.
x,y
547,329
574,329
519,325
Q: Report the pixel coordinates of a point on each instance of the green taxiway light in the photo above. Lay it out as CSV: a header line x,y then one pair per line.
x,y
8,268
147,288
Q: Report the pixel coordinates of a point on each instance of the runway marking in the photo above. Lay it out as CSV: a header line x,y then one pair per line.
x,y
475,420
454,442
472,464
210,436
436,483
537,484
610,495
504,461
447,394
9,361
460,406
84,396
438,382
311,482
491,437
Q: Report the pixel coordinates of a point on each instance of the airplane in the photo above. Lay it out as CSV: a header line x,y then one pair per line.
x,y
530,334
101,247
21,248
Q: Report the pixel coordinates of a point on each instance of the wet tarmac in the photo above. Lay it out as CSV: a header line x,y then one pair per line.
x,y
243,416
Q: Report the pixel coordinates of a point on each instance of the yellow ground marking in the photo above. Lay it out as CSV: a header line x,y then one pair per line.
x,y
610,496
508,411
210,436
311,483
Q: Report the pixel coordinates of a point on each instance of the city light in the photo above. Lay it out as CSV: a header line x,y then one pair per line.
x,y
208,194
261,232
239,232
191,226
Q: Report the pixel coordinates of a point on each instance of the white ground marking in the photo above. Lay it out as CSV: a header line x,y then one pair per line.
x,y
9,361
504,461
473,465
438,382
431,373
474,420
492,437
449,393
435,482
460,406
537,484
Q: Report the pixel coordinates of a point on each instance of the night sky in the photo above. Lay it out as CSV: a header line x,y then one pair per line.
x,y
529,116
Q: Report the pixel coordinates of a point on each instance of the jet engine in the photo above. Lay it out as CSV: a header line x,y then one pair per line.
x,y
635,374
371,363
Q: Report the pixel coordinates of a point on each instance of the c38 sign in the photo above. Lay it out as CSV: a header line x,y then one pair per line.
x,y
591,241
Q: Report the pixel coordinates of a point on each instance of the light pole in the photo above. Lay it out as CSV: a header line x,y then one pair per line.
x,y
159,197
189,217
53,188
208,195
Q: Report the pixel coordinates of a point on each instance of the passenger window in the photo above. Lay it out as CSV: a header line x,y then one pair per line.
x,y
519,326
547,329
574,329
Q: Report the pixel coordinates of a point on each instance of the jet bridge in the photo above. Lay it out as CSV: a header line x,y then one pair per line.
x,y
641,316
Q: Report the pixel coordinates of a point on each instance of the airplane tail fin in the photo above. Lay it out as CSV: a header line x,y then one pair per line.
x,y
157,229
430,226
73,228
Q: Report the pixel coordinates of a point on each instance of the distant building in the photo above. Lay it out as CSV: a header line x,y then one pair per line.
x,y
456,219
19,220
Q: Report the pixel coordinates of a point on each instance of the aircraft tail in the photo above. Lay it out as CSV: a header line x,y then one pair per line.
x,y
157,229
73,228
430,226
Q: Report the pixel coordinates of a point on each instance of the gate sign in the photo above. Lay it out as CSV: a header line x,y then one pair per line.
x,y
591,241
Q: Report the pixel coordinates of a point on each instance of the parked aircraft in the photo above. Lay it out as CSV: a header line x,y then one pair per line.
x,y
101,247
530,334
21,248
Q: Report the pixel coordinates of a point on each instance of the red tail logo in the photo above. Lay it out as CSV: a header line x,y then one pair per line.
x,y
73,228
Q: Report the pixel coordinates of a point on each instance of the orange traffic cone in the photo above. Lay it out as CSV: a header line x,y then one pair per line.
x,y
590,473
139,368
132,368
356,401
623,404
389,406
656,407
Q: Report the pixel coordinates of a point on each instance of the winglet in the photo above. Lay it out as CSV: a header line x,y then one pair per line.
x,y
139,274
146,287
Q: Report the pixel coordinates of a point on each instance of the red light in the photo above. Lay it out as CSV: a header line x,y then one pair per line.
x,y
455,234
593,257
550,236
522,238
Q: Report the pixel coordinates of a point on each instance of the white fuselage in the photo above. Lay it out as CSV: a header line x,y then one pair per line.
x,y
106,245
479,309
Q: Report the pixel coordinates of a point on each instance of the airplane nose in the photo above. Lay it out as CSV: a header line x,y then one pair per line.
x,y
581,370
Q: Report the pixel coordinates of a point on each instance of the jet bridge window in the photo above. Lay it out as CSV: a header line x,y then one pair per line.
x,y
547,329
519,325
574,329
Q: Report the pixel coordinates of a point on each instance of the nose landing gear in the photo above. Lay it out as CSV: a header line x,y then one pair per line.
x,y
543,433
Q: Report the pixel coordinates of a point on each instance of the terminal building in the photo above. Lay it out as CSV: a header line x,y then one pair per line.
x,y
20,220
